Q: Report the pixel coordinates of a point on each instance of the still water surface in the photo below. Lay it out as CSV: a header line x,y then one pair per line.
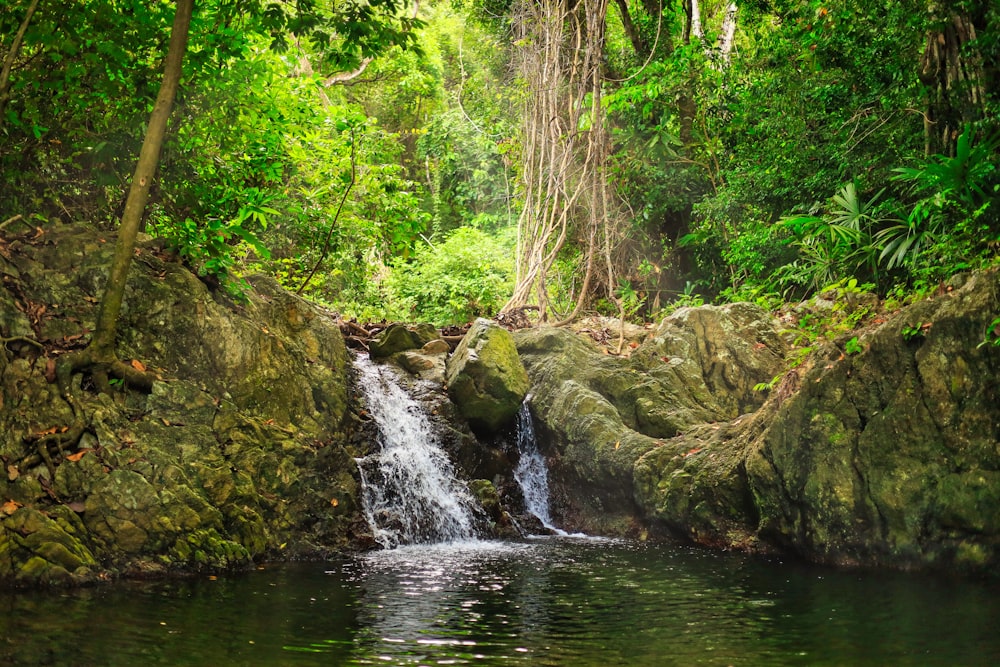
x,y
553,601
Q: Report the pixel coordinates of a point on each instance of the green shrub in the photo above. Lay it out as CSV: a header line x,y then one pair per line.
x,y
469,275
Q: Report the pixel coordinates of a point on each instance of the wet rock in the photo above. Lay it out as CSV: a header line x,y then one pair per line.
x,y
604,414
892,456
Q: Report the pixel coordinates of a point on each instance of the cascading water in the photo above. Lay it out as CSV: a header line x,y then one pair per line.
x,y
531,473
409,489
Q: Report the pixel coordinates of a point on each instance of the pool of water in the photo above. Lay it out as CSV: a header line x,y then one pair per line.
x,y
552,601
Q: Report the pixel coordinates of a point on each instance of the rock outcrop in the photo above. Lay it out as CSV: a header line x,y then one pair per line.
x,y
602,414
888,456
240,452
892,456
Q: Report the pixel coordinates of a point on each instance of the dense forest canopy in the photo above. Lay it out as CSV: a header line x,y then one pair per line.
x,y
449,159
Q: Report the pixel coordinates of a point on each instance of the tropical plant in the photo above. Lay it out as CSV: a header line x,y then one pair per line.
x,y
468,275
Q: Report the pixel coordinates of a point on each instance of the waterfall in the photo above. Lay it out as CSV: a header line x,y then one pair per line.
x,y
531,473
409,490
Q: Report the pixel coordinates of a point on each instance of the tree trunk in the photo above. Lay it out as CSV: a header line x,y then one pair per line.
x,y
8,61
100,353
727,35
638,43
954,79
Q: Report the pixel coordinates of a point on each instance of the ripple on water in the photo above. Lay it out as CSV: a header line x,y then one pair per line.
x,y
538,602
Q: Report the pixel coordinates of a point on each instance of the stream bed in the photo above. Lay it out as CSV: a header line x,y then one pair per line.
x,y
544,601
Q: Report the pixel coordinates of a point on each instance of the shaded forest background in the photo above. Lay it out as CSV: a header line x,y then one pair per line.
x,y
445,160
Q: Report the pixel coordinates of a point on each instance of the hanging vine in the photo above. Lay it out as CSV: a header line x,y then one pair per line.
x,y
566,148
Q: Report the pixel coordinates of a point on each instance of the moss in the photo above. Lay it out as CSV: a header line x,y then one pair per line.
x,y
486,378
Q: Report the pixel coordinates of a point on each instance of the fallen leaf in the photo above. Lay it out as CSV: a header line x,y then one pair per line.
x,y
50,370
10,507
334,502
633,345
77,456
77,506
138,365
618,444
165,421
692,452
12,472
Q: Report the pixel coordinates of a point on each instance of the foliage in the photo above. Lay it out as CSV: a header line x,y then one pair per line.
x,y
992,334
852,346
469,275
797,163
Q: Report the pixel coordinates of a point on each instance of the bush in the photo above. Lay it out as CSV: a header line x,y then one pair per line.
x,y
470,275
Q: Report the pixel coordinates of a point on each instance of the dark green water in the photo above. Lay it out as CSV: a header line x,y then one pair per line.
x,y
543,602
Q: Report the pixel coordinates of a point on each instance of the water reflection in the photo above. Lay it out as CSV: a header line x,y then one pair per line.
x,y
550,601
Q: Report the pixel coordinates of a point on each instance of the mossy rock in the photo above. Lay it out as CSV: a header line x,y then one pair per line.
x,y
486,378
400,337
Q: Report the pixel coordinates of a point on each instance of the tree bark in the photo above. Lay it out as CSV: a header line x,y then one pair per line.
x,y
727,35
954,78
638,43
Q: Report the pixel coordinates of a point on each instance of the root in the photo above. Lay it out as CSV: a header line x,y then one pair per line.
x,y
51,446
22,339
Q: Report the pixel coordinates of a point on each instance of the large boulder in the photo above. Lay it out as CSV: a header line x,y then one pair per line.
x,y
240,452
400,337
885,456
486,378
892,456
603,414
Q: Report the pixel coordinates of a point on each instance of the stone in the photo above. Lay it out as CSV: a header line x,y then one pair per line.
x,y
486,378
235,455
400,337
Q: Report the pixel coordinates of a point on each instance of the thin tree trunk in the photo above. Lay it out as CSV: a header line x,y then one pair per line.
x,y
727,35
696,29
142,180
8,61
99,356
638,43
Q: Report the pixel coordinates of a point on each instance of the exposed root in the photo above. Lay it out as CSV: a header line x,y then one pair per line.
x,y
57,442
22,339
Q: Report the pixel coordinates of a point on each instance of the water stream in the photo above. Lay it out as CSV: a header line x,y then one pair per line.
x,y
531,472
410,492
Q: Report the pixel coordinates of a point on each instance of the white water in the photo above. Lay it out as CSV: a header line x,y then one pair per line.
x,y
409,490
531,473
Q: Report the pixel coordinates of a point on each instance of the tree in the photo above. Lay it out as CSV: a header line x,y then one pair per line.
x,y
8,61
99,357
355,41
566,144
